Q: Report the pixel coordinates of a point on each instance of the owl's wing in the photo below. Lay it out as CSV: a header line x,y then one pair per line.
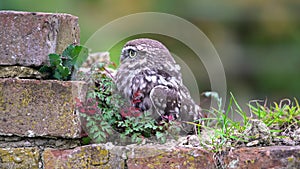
x,y
190,111
171,104
166,102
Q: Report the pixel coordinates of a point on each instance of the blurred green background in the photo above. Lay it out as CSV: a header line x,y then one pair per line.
x,y
257,41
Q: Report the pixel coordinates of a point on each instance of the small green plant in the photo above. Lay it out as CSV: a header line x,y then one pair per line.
x,y
220,128
280,117
106,116
278,124
281,120
62,66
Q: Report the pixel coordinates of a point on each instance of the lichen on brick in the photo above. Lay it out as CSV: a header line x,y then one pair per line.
x,y
92,156
45,108
19,158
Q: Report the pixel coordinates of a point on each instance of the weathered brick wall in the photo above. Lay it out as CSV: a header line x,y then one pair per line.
x,y
26,38
35,114
35,108
39,127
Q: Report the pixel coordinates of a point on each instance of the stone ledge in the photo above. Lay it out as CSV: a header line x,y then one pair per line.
x,y
131,157
90,156
40,108
168,157
160,156
147,156
26,38
264,157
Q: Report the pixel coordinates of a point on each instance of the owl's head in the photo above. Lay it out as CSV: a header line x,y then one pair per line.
x,y
146,50
146,54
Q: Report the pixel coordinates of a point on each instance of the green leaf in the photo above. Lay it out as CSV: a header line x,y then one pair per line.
x,y
94,129
64,72
159,135
80,55
102,134
57,75
67,53
54,59
99,139
96,134
90,123
148,125
136,137
82,115
68,64
275,131
45,69
110,131
62,66
86,140
75,55
68,57
128,131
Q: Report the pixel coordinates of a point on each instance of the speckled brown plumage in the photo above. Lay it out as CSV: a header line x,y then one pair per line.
x,y
150,79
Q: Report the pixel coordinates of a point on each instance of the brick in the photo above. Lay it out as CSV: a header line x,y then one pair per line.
x,y
40,108
264,157
147,157
131,157
19,157
91,156
26,38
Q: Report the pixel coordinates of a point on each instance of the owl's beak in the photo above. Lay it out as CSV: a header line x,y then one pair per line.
x,y
122,58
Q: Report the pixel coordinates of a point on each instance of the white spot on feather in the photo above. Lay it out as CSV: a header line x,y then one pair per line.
x,y
148,78
185,107
176,109
142,61
153,79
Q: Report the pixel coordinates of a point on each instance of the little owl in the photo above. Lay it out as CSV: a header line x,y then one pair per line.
x,y
150,79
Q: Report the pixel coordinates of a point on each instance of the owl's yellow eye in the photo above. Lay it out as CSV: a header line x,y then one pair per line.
x,y
132,53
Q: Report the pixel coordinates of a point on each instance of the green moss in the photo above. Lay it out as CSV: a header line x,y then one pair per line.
x,y
291,159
